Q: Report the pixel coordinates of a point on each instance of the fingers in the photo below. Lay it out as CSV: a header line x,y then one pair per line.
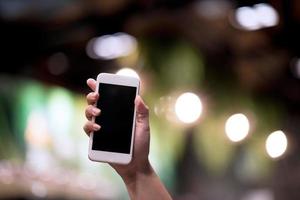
x,y
92,98
90,127
91,112
142,114
91,83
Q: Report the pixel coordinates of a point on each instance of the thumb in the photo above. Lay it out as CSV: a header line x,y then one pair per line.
x,y
142,114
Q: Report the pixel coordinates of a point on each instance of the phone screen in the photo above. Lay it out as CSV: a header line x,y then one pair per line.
x,y
116,119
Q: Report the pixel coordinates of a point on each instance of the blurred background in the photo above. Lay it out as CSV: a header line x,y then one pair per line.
x,y
221,78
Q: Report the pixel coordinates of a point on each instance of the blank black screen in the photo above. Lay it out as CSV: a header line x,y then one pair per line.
x,y
117,110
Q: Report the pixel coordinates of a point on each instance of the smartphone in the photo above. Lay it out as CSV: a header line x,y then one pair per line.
x,y
113,143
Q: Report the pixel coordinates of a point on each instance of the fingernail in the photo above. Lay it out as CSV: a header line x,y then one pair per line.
x,y
96,127
96,111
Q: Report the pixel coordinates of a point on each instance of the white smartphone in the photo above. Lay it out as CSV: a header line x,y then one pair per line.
x,y
113,143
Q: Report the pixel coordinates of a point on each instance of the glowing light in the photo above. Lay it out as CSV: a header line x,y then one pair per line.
x,y
276,144
111,46
128,72
259,16
247,18
237,127
266,15
188,107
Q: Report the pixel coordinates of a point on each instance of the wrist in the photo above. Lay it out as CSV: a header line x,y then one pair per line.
x,y
131,175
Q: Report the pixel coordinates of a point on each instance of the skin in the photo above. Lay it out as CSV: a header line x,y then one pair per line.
x,y
139,177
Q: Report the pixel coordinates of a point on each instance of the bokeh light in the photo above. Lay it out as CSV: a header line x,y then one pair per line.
x,y
128,72
237,127
108,47
247,18
188,107
259,16
266,15
276,144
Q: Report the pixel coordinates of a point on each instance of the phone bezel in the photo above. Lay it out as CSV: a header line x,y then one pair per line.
x,y
113,157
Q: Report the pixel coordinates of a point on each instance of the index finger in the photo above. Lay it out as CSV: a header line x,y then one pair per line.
x,y
91,83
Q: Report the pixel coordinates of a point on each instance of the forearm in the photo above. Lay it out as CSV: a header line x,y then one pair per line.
x,y
145,185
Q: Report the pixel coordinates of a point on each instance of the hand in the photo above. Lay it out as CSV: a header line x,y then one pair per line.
x,y
139,162
140,178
